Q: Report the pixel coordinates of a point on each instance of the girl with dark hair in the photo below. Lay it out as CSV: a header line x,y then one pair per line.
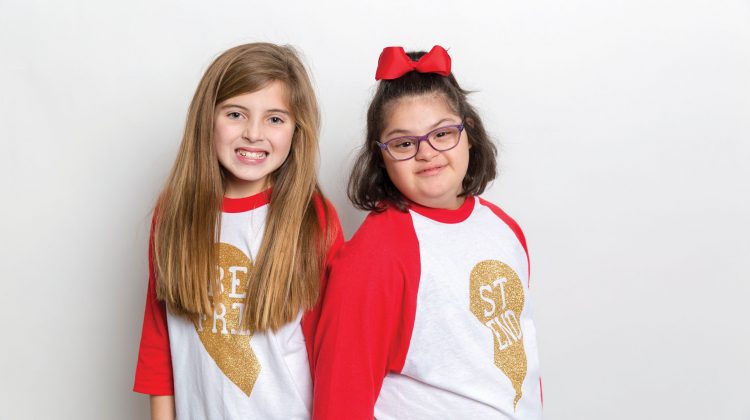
x,y
240,239
427,313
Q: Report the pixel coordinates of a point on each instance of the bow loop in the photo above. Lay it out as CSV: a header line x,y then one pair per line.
x,y
394,63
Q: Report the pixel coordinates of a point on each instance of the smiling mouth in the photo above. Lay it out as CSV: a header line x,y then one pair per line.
x,y
430,171
252,155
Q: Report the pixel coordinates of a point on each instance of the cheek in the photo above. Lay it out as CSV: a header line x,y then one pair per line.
x,y
462,158
218,143
397,172
222,134
284,143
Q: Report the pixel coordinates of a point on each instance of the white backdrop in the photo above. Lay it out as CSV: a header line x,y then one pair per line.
x,y
625,135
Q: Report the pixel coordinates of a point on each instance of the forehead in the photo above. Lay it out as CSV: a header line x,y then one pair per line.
x,y
418,113
274,94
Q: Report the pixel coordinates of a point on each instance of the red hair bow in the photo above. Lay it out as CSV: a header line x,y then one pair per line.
x,y
394,63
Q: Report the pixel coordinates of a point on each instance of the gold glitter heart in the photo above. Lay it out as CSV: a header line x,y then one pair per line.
x,y
220,334
497,301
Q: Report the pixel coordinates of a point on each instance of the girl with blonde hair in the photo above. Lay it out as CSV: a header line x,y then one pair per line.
x,y
241,236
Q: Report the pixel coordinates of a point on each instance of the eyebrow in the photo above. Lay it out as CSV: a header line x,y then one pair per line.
x,y
403,132
268,111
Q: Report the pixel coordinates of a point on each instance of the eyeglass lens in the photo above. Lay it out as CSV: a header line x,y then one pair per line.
x,y
441,139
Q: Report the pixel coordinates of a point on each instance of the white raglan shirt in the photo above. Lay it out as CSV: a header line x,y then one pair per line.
x,y
446,292
220,371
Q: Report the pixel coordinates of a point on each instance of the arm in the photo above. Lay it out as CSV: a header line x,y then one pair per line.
x,y
352,345
162,407
366,320
329,221
153,372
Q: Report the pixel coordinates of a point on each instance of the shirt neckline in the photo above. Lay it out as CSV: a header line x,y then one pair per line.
x,y
445,215
239,205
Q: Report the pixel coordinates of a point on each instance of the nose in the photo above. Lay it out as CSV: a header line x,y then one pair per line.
x,y
425,151
253,131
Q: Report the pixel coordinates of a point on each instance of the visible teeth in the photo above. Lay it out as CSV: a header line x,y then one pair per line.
x,y
252,155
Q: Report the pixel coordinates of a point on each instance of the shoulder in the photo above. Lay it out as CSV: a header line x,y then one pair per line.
x,y
377,267
384,233
502,215
324,208
333,234
385,244
326,214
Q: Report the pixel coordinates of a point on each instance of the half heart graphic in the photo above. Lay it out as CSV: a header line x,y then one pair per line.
x,y
221,334
497,300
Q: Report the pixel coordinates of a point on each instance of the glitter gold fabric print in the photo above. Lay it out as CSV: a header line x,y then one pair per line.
x,y
497,299
220,334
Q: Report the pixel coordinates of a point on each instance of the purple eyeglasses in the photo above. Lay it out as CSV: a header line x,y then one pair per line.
x,y
440,139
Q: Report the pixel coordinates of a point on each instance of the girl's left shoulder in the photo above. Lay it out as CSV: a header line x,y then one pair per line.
x,y
323,206
502,215
330,224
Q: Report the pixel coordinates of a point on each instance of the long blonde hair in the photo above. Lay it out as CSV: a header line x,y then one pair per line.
x,y
286,273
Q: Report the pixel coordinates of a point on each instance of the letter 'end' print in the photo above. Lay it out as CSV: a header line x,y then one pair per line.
x,y
497,299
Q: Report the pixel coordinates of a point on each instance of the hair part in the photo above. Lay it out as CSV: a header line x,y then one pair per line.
x,y
285,276
369,186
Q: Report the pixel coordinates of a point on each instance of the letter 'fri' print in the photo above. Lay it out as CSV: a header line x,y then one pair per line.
x,y
221,335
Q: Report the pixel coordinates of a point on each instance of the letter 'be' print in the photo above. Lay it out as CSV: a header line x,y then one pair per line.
x,y
220,334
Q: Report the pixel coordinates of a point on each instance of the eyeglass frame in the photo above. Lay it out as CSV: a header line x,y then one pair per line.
x,y
420,139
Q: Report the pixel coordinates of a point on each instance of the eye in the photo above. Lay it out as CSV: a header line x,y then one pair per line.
x,y
234,115
401,143
276,120
444,135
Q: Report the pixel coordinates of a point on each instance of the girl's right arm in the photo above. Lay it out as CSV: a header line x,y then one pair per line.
x,y
366,320
153,372
162,407
352,344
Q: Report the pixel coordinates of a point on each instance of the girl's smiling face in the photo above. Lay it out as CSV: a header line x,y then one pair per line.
x,y
432,179
253,135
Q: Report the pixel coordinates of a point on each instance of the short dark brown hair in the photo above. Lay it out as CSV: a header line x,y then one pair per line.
x,y
370,188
